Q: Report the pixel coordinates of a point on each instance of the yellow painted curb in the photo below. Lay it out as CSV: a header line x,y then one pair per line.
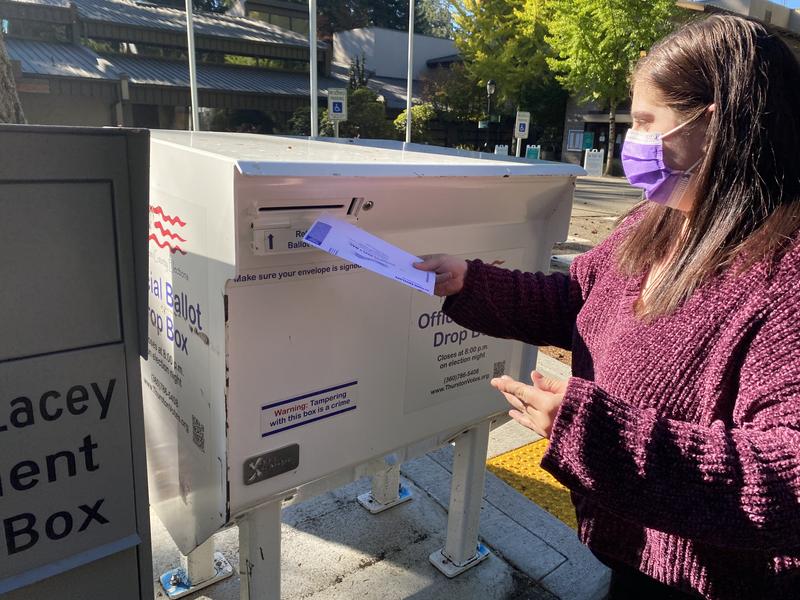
x,y
520,469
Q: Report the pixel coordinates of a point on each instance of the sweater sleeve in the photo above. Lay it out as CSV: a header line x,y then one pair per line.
x,y
732,485
534,308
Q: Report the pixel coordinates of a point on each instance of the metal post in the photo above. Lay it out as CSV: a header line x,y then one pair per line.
x,y
192,65
489,120
199,563
312,49
387,491
410,75
260,553
336,128
462,550
519,147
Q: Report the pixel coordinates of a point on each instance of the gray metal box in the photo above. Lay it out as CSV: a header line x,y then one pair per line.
x,y
73,487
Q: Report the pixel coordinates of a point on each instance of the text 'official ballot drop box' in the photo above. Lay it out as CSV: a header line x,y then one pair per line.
x,y
74,521
277,371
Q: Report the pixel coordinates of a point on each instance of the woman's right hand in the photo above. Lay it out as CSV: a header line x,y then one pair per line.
x,y
450,272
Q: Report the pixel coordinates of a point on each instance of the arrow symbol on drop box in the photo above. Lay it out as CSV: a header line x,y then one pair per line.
x,y
270,237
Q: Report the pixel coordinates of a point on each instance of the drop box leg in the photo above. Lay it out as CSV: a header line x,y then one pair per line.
x,y
462,549
201,568
387,491
260,553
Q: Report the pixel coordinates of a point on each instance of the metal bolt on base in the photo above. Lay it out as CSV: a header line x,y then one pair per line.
x,y
374,506
451,569
178,582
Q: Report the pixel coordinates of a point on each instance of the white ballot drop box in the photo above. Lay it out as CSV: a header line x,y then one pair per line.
x,y
278,371
73,243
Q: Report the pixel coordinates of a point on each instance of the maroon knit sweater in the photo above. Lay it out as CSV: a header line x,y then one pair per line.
x,y
680,439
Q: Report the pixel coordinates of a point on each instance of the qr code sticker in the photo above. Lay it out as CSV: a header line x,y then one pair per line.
x,y
198,433
499,369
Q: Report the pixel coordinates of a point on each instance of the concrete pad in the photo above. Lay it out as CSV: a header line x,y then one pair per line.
x,y
580,576
498,530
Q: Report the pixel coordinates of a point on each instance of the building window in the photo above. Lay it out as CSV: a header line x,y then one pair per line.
x,y
4,26
35,30
300,25
281,21
768,17
575,140
296,24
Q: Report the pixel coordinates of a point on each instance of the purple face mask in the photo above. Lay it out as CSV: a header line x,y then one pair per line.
x,y
643,163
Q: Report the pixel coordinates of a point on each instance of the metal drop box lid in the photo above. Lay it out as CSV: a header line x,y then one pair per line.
x,y
345,157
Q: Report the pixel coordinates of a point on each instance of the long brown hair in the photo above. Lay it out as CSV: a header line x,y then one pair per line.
x,y
748,183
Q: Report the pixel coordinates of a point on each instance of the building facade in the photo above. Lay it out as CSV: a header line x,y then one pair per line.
x,y
120,62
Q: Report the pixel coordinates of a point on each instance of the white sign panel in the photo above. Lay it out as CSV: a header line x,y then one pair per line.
x,y
308,408
445,360
337,104
593,162
65,471
522,125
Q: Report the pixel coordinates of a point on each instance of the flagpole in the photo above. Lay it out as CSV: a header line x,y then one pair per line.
x,y
312,43
410,76
192,65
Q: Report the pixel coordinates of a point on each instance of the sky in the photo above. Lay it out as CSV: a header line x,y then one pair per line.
x,y
791,3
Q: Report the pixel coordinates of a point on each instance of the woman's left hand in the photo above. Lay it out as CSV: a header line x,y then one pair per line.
x,y
534,406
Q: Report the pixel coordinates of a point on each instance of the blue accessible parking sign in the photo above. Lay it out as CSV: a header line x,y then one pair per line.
x,y
338,107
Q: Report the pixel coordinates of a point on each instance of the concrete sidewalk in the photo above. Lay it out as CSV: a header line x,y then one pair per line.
x,y
332,548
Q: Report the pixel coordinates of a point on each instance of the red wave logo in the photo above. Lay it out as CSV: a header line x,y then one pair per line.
x,y
169,219
161,244
167,232
162,235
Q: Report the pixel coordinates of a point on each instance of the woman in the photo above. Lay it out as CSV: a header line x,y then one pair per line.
x,y
679,432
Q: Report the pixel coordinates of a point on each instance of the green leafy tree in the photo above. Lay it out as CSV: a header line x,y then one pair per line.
x,y
433,17
595,44
454,93
421,117
504,40
300,121
366,117
358,73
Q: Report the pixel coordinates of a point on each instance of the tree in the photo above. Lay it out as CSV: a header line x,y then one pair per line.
x,y
300,121
432,17
10,107
504,40
421,116
241,120
454,93
596,43
357,76
366,117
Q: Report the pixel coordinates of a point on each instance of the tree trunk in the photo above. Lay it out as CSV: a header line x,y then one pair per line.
x,y
612,134
10,108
